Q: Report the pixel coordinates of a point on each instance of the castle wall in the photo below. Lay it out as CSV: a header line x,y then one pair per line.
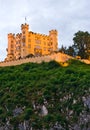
x,y
59,57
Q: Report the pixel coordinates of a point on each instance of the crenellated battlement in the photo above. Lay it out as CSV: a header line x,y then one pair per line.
x,y
23,26
53,32
38,34
11,35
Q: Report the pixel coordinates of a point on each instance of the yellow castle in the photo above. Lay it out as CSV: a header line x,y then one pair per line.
x,y
28,43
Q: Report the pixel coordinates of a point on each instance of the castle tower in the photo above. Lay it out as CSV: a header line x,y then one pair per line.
x,y
53,34
10,50
24,42
18,46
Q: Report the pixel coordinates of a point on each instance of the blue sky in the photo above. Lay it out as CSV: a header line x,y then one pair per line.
x,y
67,16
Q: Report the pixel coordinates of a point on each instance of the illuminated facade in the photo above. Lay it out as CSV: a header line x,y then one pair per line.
x,y
29,43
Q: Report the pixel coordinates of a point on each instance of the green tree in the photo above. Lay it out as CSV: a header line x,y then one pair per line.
x,y
82,44
62,49
70,51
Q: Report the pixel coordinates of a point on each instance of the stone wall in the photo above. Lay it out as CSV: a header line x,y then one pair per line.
x,y
59,57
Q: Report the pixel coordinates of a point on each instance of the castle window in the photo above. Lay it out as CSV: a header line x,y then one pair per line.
x,y
23,39
37,41
37,47
18,48
11,41
23,43
23,32
48,44
29,45
44,49
18,53
44,43
19,41
11,51
11,46
49,49
29,40
51,43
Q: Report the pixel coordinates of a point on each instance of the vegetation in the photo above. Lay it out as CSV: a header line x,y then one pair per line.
x,y
27,87
81,46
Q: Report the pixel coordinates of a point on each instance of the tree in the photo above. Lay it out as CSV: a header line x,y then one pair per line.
x,y
82,44
29,56
62,49
70,51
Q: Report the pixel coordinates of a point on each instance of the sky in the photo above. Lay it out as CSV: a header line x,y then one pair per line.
x,y
66,16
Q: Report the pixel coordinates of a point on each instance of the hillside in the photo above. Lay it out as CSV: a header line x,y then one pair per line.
x,y
45,96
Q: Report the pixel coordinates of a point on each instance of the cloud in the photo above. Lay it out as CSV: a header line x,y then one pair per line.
x,y
66,16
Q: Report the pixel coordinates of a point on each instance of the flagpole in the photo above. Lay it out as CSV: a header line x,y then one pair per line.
x,y
25,19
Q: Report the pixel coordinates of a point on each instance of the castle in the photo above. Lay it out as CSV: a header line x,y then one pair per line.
x,y
34,47
28,43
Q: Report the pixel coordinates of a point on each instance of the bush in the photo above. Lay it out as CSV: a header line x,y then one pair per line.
x,y
28,113
1,110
